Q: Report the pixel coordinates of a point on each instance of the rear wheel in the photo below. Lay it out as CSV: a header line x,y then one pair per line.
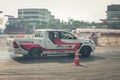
x,y
34,52
85,51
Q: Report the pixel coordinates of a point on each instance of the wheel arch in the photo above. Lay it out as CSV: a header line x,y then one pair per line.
x,y
85,46
32,49
85,51
35,47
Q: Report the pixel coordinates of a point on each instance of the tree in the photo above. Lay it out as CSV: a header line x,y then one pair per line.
x,y
115,25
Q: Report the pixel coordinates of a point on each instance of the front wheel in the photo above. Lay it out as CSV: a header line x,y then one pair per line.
x,y
85,51
34,52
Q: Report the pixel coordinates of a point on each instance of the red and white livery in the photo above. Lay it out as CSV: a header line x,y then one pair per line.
x,y
52,41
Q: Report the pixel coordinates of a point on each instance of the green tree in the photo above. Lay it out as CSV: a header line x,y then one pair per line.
x,y
115,25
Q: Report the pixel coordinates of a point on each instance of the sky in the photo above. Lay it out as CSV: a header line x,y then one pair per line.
x,y
87,10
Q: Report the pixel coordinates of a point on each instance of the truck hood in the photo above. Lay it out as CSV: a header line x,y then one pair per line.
x,y
86,40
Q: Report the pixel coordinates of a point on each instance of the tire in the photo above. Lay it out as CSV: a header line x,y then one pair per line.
x,y
34,52
85,51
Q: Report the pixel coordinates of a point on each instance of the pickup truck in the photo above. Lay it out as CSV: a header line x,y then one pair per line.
x,y
52,41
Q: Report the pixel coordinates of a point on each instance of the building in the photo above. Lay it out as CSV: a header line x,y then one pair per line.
x,y
28,19
35,15
113,12
113,16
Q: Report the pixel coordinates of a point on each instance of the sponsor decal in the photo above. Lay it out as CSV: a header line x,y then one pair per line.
x,y
64,46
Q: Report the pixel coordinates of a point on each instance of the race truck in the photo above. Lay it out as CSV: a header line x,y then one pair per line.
x,y
52,41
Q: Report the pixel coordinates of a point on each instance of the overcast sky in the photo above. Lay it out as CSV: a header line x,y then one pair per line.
x,y
87,10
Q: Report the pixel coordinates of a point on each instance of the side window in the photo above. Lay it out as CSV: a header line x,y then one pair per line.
x,y
56,35
39,34
51,35
66,35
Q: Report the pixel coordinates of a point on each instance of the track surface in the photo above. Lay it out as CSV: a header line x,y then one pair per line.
x,y
103,64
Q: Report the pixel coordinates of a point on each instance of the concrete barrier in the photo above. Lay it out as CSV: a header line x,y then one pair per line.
x,y
102,40
108,40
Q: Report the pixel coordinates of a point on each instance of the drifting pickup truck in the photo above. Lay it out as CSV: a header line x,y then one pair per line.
x,y
52,41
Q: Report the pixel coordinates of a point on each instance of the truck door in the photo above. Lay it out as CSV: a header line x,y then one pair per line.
x,y
60,40
50,42
69,41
